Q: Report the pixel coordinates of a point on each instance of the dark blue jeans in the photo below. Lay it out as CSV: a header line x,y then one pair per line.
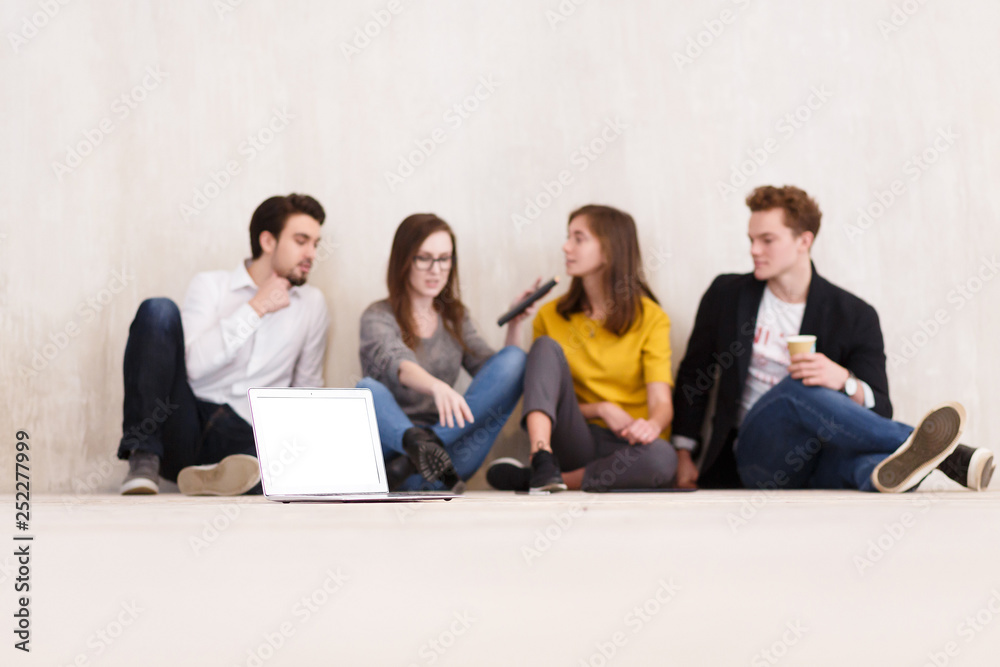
x,y
799,437
492,397
161,413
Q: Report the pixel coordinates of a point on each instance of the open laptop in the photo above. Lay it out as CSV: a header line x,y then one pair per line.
x,y
322,445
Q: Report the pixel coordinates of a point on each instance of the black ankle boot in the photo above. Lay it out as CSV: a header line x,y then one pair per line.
x,y
427,454
398,470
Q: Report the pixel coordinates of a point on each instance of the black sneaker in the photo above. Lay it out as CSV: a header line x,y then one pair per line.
x,y
429,457
930,443
508,474
970,467
143,474
545,474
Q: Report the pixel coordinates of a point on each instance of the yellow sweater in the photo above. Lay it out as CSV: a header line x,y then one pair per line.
x,y
611,368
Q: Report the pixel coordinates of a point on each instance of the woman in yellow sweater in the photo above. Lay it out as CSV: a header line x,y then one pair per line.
x,y
598,382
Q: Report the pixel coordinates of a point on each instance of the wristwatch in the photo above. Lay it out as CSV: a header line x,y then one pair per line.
x,y
851,386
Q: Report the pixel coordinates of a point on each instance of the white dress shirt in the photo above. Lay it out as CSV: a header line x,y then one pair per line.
x,y
229,348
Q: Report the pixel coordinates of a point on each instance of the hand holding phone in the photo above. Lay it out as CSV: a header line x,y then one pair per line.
x,y
526,302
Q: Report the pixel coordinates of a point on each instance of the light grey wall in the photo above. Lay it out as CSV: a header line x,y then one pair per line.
x,y
82,244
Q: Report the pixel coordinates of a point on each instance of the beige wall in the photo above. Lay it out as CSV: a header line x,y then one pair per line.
x,y
198,81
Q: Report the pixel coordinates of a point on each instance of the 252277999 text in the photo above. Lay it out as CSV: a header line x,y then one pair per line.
x,y
22,541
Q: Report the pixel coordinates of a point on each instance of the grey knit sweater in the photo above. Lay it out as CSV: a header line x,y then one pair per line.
x,y
382,350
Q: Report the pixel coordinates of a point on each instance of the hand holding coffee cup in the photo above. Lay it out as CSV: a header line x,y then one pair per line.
x,y
805,344
815,370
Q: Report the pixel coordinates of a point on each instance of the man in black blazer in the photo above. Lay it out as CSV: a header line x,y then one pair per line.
x,y
820,419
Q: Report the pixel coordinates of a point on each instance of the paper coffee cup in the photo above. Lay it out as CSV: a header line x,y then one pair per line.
x,y
801,344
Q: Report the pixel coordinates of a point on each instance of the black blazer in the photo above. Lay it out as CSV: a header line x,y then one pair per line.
x,y
846,328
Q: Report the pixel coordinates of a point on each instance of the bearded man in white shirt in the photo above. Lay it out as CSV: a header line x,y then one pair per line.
x,y
187,370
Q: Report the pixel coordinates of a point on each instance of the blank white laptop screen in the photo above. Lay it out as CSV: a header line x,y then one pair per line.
x,y
316,441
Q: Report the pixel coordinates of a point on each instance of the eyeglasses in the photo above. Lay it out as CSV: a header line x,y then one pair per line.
x,y
425,262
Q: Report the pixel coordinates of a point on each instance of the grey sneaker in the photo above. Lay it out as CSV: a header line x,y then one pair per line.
x,y
234,475
143,474
927,447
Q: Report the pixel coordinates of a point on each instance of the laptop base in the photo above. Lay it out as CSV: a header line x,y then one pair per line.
x,y
378,497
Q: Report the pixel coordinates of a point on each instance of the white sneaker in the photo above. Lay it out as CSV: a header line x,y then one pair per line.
x,y
970,467
928,446
234,475
981,469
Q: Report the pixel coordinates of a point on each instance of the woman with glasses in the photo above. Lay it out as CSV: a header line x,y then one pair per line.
x,y
413,345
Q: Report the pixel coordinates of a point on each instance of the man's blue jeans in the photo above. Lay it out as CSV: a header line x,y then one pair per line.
x,y
492,396
799,437
161,413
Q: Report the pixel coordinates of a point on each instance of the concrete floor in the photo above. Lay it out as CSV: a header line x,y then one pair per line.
x,y
706,578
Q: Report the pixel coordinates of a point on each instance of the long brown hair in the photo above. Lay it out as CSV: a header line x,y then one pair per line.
x,y
624,279
410,234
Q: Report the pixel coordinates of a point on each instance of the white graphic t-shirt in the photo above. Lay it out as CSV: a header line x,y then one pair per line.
x,y
776,321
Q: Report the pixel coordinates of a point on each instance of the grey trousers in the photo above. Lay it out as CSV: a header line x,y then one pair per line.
x,y
609,462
